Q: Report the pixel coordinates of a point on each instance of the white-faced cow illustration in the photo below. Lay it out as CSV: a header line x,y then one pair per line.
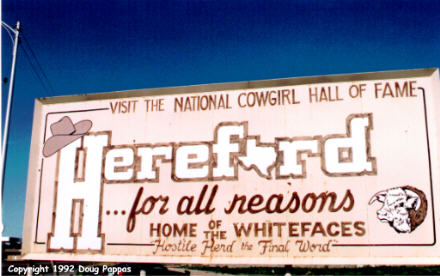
x,y
404,208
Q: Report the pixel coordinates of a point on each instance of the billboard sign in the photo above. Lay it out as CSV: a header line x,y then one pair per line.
x,y
319,170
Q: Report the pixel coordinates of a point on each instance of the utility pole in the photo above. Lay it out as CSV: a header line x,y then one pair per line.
x,y
8,110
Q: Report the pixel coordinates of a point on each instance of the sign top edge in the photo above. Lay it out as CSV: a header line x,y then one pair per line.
x,y
396,74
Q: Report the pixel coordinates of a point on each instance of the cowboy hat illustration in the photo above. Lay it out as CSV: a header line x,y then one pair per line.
x,y
65,132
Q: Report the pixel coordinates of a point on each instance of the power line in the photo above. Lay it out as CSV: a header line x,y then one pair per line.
x,y
38,69
35,70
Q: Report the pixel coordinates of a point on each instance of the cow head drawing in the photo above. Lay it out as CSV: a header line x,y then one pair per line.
x,y
404,208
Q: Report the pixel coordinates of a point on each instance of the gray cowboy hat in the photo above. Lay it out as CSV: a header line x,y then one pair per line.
x,y
65,132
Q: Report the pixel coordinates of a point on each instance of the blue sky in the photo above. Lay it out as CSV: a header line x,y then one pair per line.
x,y
98,46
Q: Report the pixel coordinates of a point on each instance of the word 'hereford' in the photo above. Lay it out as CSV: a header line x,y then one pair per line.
x,y
341,155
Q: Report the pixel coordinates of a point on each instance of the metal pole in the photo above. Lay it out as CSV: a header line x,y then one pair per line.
x,y
8,111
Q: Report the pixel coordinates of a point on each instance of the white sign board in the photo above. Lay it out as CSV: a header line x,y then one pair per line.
x,y
320,170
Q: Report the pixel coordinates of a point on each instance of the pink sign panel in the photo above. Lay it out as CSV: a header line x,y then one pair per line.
x,y
327,170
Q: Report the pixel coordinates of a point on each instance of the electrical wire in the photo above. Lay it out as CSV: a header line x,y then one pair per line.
x,y
38,62
35,70
36,65
33,61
